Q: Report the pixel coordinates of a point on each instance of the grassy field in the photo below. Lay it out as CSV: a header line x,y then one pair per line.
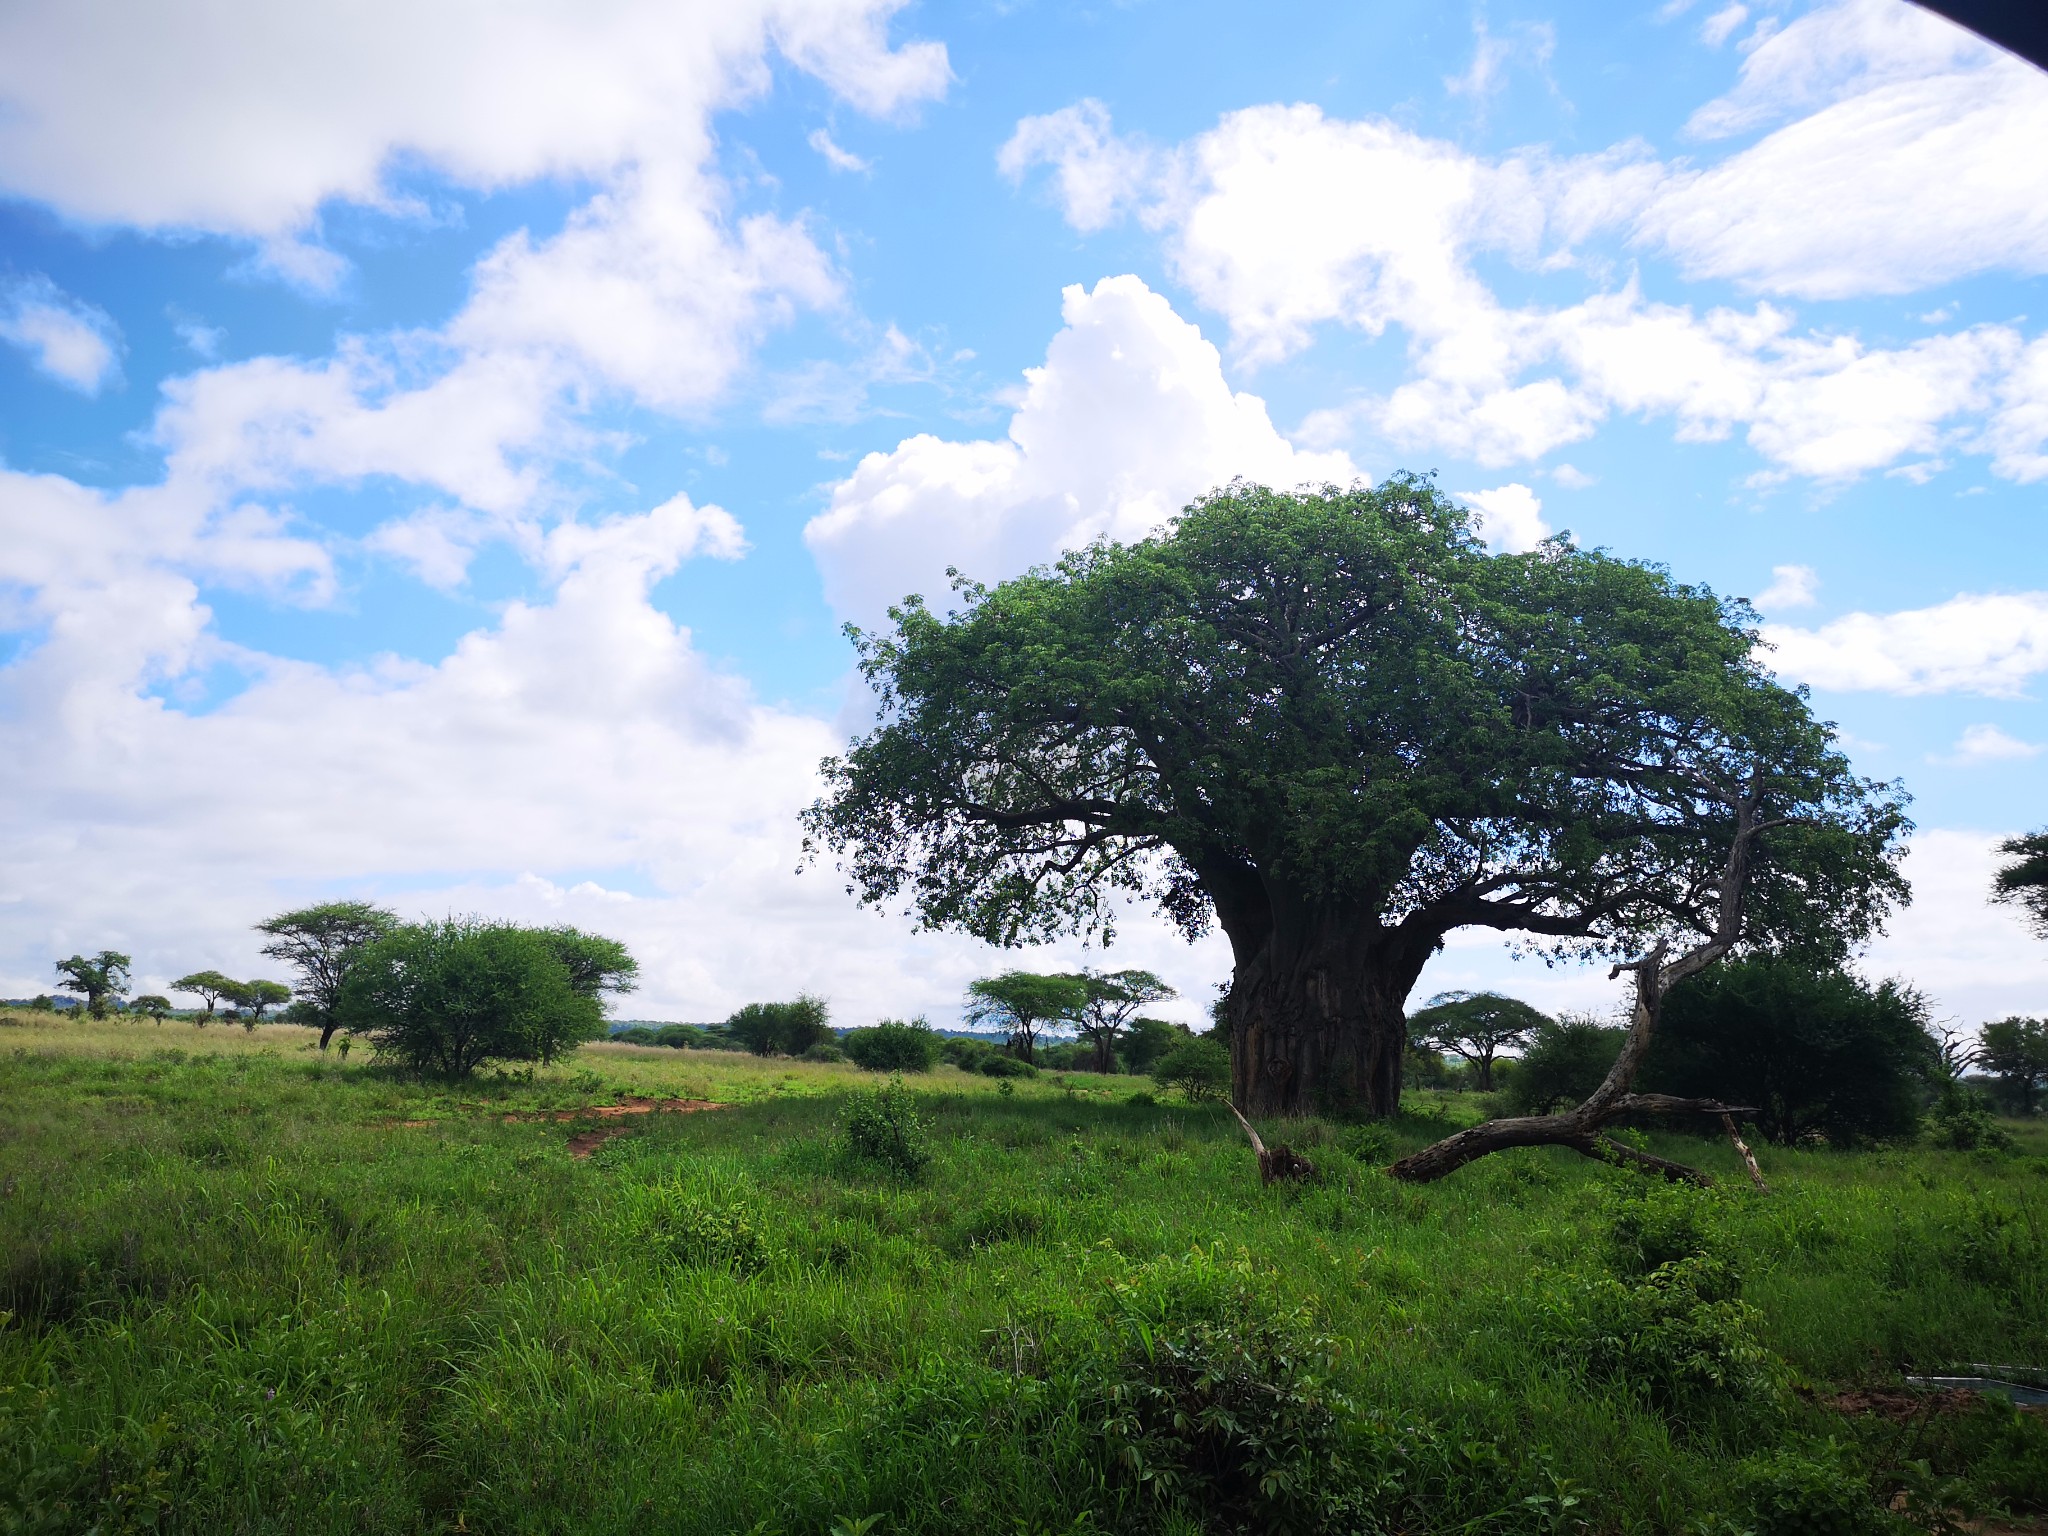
x,y
244,1287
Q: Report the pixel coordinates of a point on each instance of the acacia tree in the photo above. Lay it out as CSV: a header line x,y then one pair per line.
x,y
99,980
321,942
1113,1001
2023,880
209,987
2015,1051
152,1005
1334,725
253,998
1474,1026
1023,1003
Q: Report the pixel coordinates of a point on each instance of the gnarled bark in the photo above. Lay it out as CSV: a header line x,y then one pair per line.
x,y
1318,1014
1655,976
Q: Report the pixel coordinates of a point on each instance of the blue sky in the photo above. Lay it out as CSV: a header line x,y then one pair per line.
x,y
441,444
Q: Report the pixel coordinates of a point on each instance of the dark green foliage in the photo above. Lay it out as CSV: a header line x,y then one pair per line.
x,y
1565,1062
781,1029
321,942
444,998
1022,1003
596,965
1669,1320
892,1046
2015,1052
1200,1069
1817,1052
1150,1039
881,1128
209,986
100,980
152,1006
1475,1026
2023,878
1960,1119
1217,1403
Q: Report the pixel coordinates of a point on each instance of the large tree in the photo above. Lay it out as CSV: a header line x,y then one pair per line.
x,y
100,979
1334,725
322,941
210,987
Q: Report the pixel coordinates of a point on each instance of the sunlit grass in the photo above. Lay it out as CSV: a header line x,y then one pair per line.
x,y
245,1293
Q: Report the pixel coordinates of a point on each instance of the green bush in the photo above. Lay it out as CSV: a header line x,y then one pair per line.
x,y
892,1046
1200,1069
781,1029
1564,1063
1959,1119
1148,1041
1818,1052
1809,1493
1002,1064
686,1229
881,1128
444,998
1216,1402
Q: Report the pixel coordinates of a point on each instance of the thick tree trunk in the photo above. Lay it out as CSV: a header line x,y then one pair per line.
x,y
1318,1013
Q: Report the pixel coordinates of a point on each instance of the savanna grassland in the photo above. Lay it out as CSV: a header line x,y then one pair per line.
x,y
248,1287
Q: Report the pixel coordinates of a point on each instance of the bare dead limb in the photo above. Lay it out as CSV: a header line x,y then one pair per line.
x,y
1655,976
1280,1162
1756,1174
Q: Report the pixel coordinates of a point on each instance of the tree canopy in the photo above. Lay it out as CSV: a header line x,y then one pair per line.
x,y
788,1028
1114,999
255,998
209,987
322,941
2023,878
445,997
1024,1003
1333,724
2015,1051
1475,1026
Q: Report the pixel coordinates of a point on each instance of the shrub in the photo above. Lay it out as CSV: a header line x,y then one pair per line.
x,y
1817,1051
1960,1119
1216,1401
688,1230
1141,1100
824,1050
1150,1040
964,1052
446,997
1000,1064
787,1029
892,1046
880,1127
1800,1493
1200,1069
1564,1063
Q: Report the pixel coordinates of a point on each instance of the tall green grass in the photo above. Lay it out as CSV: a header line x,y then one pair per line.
x,y
242,1293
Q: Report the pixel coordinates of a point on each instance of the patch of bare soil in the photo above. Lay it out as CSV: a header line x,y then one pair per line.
x,y
583,1143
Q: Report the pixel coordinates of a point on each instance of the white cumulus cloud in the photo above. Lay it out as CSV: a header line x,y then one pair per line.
x,y
1510,517
1128,420
1989,744
1792,586
1984,644
73,342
